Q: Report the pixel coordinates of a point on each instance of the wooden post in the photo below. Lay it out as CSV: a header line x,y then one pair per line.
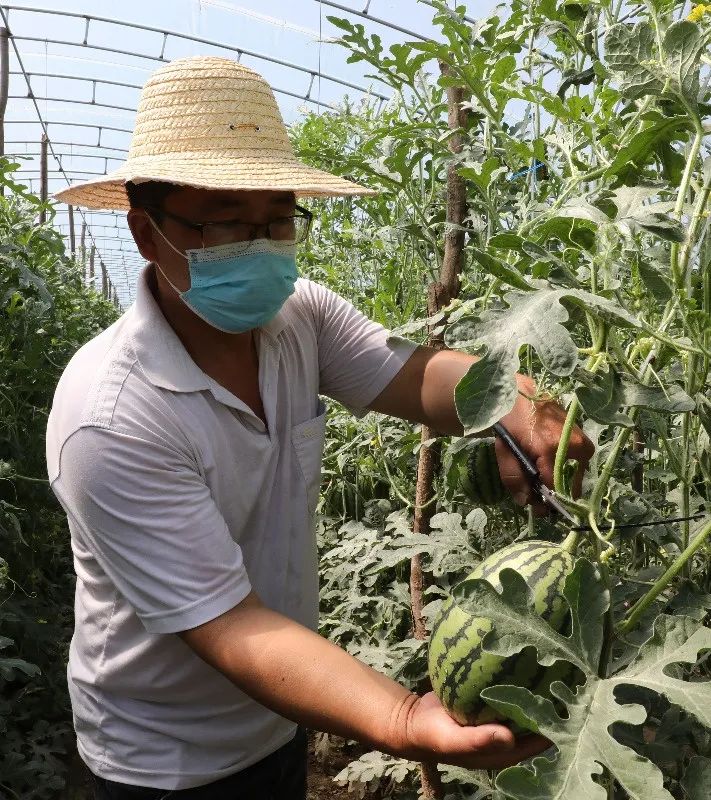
x,y
82,247
104,281
439,294
72,236
43,177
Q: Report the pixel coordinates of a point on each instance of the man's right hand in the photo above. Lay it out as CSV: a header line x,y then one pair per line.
x,y
305,678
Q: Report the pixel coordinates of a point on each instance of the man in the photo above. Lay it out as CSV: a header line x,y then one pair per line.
x,y
185,444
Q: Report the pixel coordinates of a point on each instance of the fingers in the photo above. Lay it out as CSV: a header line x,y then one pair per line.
x,y
543,450
512,475
524,747
488,737
516,481
491,753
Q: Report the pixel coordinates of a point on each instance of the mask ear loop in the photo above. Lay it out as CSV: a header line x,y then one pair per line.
x,y
166,239
171,245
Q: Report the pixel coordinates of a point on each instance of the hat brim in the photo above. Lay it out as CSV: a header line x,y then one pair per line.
x,y
253,174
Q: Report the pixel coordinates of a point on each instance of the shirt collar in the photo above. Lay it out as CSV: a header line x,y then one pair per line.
x,y
160,352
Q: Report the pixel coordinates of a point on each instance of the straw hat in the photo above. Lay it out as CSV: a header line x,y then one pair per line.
x,y
211,123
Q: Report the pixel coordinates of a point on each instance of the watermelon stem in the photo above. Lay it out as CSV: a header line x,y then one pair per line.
x,y
570,543
561,456
645,601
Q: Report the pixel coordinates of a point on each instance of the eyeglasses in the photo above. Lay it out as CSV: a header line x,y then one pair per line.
x,y
293,228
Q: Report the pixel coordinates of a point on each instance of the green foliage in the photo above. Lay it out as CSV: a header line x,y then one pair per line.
x,y
587,265
46,314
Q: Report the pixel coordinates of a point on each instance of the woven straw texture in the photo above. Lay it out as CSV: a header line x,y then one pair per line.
x,y
211,123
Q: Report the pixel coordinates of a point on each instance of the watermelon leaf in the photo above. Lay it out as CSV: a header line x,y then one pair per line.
x,y
604,395
488,391
633,54
588,600
517,625
697,778
675,640
447,549
584,739
583,742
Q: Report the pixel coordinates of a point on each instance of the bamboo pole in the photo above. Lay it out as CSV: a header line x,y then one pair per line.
x,y
439,294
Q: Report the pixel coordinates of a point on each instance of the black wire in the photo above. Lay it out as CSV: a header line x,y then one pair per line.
x,y
638,524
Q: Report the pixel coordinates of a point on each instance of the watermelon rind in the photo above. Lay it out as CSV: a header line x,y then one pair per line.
x,y
480,478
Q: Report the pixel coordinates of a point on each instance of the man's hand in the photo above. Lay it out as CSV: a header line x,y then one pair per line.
x,y
537,426
308,679
423,391
431,730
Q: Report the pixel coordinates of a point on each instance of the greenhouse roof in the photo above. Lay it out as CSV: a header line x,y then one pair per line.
x,y
76,70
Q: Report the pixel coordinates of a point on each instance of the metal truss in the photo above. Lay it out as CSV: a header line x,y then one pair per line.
x,y
91,235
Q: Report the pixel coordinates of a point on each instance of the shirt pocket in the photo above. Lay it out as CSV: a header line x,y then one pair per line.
x,y
308,439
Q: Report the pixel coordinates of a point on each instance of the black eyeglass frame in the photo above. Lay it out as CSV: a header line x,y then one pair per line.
x,y
200,226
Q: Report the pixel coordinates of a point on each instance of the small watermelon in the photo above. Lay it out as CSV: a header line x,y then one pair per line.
x,y
459,668
480,478
376,512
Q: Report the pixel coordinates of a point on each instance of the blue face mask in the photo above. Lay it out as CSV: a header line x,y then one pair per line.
x,y
238,287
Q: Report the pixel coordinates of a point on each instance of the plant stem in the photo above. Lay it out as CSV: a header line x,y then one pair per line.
x,y
697,216
570,543
679,277
602,482
562,452
644,602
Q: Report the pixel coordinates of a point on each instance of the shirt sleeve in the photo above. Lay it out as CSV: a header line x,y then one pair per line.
x,y
148,518
358,358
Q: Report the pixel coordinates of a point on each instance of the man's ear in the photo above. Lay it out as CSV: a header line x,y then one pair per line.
x,y
143,233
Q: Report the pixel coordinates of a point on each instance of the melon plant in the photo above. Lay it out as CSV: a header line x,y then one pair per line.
x,y
586,264
459,666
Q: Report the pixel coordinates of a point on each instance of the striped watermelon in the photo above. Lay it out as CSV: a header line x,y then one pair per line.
x,y
459,668
479,475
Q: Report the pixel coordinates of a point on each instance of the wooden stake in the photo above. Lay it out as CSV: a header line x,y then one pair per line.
x,y
72,237
439,294
82,247
43,177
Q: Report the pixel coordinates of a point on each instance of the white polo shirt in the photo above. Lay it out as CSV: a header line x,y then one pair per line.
x,y
179,501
